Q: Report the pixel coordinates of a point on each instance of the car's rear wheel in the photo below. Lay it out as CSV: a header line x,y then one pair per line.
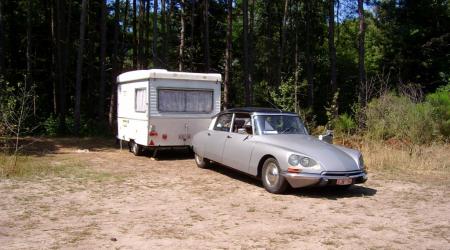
x,y
135,148
201,161
271,177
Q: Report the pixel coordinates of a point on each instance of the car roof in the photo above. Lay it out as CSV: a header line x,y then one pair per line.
x,y
255,110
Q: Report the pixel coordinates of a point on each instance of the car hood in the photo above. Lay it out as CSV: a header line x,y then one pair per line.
x,y
330,157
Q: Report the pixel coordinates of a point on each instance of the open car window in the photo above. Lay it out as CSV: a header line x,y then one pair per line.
x,y
240,121
223,122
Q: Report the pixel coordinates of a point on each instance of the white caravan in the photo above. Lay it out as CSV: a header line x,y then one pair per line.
x,y
158,108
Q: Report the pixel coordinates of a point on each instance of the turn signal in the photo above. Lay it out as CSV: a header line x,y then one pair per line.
x,y
294,170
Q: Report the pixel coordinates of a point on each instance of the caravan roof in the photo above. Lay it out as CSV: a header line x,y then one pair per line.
x,y
164,74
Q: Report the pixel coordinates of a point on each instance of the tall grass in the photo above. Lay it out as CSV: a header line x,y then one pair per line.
x,y
400,158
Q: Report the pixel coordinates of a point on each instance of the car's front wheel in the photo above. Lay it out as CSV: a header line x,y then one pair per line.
x,y
271,177
201,161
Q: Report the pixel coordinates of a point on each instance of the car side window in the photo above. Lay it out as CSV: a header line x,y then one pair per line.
x,y
239,123
223,122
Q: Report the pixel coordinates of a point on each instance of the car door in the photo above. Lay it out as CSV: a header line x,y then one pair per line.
x,y
217,137
238,144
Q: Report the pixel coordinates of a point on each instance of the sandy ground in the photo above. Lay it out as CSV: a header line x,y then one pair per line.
x,y
170,203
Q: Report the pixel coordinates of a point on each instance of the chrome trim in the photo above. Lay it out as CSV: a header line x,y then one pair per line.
x,y
308,179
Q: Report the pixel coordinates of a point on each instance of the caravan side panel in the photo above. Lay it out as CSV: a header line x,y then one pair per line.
x,y
132,111
176,128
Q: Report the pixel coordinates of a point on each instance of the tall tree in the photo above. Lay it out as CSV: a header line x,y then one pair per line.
x,y
247,89
361,51
79,76
28,51
308,52
164,30
332,51
228,56
206,35
114,62
141,34
2,40
103,45
283,39
135,39
155,33
182,33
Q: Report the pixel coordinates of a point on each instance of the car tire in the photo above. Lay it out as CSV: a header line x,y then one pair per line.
x,y
271,177
201,161
135,148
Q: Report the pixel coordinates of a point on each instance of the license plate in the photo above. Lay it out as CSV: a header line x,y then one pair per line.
x,y
347,181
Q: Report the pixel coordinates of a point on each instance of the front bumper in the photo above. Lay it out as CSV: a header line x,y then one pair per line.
x,y
297,180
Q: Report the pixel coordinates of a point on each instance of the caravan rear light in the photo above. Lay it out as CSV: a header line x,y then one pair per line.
x,y
153,133
164,136
151,143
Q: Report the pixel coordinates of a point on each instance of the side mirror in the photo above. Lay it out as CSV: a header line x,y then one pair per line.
x,y
248,129
327,137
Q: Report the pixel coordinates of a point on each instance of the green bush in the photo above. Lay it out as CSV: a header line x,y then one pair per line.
x,y
392,116
344,124
440,103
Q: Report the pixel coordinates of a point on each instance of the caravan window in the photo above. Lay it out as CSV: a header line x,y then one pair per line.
x,y
140,100
190,101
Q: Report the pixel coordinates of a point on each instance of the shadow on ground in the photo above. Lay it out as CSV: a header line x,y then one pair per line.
x,y
328,192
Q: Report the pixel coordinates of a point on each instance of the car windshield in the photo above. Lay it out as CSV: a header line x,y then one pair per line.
x,y
278,124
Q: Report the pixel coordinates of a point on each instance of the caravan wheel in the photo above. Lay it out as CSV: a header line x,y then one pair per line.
x,y
136,149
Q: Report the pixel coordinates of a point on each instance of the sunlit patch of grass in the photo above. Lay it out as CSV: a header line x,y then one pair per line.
x,y
28,167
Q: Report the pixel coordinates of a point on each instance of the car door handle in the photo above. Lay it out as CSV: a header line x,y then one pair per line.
x,y
229,136
209,134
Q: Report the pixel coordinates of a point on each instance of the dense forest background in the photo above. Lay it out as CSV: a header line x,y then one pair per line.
x,y
324,59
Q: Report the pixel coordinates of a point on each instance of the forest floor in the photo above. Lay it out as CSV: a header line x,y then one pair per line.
x,y
96,196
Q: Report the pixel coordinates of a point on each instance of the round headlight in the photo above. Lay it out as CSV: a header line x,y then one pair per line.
x,y
307,162
361,162
294,160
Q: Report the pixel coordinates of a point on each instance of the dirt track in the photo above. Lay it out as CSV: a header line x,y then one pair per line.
x,y
171,203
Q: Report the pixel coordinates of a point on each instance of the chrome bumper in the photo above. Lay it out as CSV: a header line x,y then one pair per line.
x,y
297,180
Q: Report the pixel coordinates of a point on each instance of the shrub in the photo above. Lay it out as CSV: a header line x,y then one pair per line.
x,y
392,116
440,103
344,124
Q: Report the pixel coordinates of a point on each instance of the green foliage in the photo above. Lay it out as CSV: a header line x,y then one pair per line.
x,y
392,116
344,125
440,103
88,127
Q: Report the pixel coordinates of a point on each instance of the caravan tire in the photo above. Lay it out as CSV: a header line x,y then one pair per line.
x,y
136,149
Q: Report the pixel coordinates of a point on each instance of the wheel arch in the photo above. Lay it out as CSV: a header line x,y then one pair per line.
x,y
261,163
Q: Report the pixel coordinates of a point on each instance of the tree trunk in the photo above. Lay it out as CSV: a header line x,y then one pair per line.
x,y
164,31
309,59
101,101
2,41
182,31
135,41
283,40
141,36
245,44
53,49
191,56
251,54
228,56
361,52
28,50
79,68
206,35
155,34
61,65
115,70
332,52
